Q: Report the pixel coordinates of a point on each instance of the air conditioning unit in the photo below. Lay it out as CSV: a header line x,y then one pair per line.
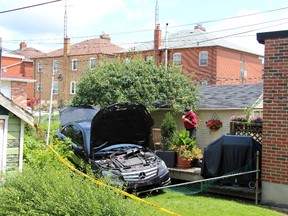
x,y
243,74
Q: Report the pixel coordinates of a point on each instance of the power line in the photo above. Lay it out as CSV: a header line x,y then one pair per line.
x,y
182,38
234,17
30,6
146,30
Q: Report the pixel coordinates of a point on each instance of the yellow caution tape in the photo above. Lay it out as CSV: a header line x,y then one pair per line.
x,y
65,162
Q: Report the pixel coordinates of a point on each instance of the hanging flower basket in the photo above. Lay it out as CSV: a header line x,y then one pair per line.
x,y
214,123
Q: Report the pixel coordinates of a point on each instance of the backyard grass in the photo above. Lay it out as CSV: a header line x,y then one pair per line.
x,y
202,205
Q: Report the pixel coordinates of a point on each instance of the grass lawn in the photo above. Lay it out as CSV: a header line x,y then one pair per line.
x,y
202,205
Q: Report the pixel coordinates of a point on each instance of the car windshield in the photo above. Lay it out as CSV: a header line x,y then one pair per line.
x,y
120,147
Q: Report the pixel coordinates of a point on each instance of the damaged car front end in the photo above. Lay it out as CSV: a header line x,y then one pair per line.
x,y
116,145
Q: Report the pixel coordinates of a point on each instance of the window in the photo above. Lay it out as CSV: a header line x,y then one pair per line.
x,y
74,64
92,63
75,134
203,58
40,69
177,59
39,87
55,88
127,59
55,66
72,87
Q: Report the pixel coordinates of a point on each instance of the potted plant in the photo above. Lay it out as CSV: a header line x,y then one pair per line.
x,y
168,128
213,124
186,149
256,119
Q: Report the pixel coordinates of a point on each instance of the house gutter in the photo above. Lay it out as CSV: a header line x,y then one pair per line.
x,y
19,80
221,108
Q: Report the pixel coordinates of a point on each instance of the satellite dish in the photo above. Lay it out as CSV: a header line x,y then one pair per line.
x,y
60,77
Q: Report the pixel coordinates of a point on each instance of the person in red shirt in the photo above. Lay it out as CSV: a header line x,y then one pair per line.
x,y
190,122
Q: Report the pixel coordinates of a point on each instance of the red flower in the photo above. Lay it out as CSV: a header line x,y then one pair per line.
x,y
214,124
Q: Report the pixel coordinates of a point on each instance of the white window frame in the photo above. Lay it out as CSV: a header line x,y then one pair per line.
x,y
55,66
55,88
74,64
39,67
92,63
73,87
203,58
177,59
127,60
39,87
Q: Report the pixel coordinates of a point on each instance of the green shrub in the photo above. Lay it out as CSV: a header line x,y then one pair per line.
x,y
58,191
168,128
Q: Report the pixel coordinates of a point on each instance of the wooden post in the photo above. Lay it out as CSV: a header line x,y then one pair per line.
x,y
257,178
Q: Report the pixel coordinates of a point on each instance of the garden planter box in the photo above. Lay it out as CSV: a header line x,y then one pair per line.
x,y
169,157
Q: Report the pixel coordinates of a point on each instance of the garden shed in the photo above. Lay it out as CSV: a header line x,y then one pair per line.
x,y
222,102
12,120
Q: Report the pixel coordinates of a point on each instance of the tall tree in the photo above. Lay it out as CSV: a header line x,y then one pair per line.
x,y
137,81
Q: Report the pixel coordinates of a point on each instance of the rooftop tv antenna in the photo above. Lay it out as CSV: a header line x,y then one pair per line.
x,y
156,14
65,20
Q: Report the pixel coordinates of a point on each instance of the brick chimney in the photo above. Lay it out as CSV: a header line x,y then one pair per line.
x,y
66,46
157,37
200,27
23,45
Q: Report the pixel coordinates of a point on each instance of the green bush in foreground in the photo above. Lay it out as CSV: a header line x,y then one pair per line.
x,y
58,191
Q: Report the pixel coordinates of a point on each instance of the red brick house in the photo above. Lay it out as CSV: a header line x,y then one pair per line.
x,y
17,78
18,67
275,116
68,65
208,59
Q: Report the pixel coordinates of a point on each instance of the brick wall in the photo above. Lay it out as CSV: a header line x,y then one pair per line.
x,y
19,94
275,115
229,70
275,133
223,64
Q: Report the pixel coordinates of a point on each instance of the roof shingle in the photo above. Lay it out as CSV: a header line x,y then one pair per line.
x,y
92,46
229,96
191,39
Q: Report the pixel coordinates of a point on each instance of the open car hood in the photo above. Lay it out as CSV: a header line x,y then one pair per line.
x,y
121,123
77,114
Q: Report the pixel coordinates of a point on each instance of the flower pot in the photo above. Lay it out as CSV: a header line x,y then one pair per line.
x,y
169,157
182,163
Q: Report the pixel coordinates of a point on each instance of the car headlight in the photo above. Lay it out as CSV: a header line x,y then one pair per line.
x,y
162,167
113,177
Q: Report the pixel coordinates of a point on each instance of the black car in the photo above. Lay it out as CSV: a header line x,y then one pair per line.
x,y
115,142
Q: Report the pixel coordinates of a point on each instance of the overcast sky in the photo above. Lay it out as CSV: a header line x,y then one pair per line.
x,y
132,21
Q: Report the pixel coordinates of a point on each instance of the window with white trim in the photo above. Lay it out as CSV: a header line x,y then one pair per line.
x,y
73,87
74,64
203,58
127,59
39,87
40,69
55,88
177,59
55,66
92,63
